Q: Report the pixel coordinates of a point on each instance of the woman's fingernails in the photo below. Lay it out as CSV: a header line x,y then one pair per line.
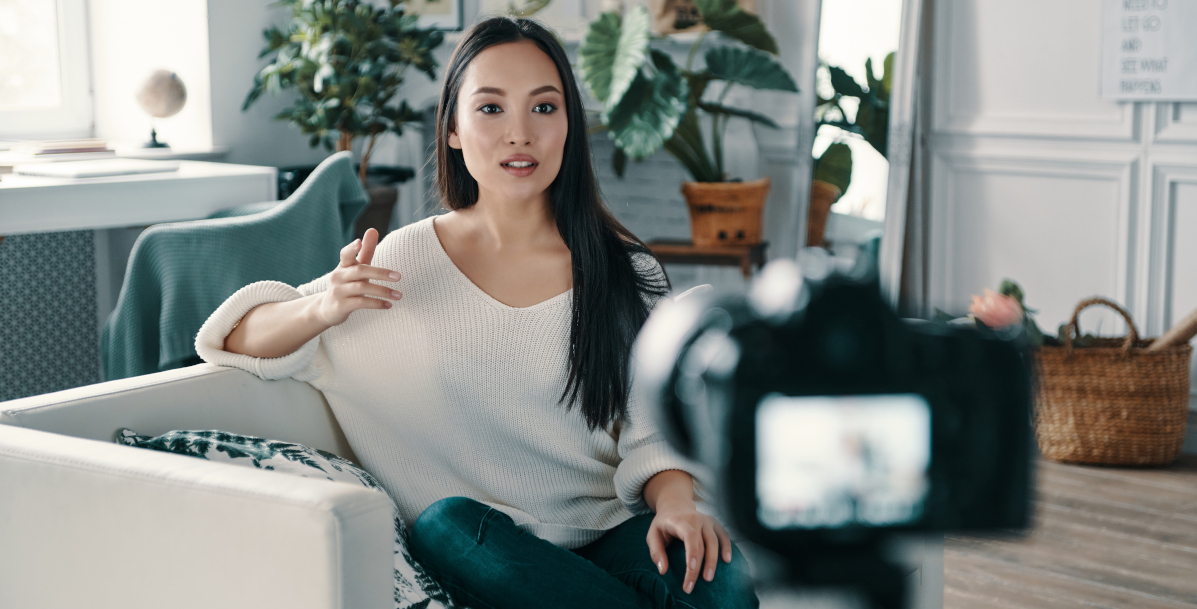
x,y
689,587
395,294
394,275
661,566
710,574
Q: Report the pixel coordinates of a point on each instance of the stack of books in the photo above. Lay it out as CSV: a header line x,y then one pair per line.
x,y
24,153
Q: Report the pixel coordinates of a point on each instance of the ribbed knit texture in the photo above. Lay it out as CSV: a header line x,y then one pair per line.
x,y
452,393
180,272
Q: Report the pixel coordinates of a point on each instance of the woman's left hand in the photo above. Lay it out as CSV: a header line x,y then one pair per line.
x,y
706,540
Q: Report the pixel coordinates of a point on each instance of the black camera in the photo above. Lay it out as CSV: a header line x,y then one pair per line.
x,y
830,424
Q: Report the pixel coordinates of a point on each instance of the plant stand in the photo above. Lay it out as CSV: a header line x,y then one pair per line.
x,y
685,252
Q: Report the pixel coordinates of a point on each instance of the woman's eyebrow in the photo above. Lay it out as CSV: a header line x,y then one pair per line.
x,y
498,91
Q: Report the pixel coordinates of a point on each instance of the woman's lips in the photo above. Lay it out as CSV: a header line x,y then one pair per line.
x,y
519,165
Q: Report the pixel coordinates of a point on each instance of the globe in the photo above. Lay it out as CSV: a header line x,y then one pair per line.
x,y
162,94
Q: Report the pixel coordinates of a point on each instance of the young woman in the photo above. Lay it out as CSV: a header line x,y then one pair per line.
x,y
491,398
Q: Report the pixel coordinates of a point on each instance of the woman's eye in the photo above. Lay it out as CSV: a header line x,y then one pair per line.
x,y
545,108
490,109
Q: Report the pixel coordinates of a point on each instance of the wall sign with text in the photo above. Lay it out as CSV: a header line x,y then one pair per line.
x,y
1149,50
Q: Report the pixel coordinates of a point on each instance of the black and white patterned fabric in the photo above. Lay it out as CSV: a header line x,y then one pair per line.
x,y
414,587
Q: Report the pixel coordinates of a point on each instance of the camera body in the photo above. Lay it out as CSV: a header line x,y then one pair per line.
x,y
830,424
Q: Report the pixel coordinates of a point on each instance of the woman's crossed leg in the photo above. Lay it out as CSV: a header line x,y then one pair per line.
x,y
487,562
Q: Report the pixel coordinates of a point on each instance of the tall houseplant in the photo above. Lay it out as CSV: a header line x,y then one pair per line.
x,y
833,169
346,60
650,103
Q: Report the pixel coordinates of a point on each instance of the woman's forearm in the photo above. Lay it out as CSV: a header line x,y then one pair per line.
x,y
672,487
275,329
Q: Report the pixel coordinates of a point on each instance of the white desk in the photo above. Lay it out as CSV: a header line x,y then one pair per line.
x,y
31,204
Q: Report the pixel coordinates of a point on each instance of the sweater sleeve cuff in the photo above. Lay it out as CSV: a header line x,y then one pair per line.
x,y
209,342
647,461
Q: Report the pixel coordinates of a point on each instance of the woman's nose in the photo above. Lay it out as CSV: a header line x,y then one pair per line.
x,y
519,131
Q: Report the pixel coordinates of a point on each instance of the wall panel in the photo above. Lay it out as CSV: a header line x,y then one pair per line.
x,y
1022,67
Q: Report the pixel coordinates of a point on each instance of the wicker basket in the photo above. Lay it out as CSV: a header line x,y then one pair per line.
x,y
1113,403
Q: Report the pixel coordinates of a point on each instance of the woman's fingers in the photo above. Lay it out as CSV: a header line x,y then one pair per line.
x,y
711,555
694,554
349,253
724,542
365,302
365,272
365,288
656,548
369,242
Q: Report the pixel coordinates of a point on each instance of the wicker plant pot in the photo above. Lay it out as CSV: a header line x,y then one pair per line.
x,y
1113,403
726,213
822,196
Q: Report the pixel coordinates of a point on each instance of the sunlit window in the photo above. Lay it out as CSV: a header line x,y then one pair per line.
x,y
44,88
29,72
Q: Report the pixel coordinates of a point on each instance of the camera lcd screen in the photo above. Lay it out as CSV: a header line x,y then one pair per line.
x,y
835,461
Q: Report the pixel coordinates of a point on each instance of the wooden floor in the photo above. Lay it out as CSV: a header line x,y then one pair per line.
x,y
1104,537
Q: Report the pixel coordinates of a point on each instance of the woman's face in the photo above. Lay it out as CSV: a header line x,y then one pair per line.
x,y
510,122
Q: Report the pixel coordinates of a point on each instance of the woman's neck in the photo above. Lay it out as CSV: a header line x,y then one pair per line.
x,y
503,224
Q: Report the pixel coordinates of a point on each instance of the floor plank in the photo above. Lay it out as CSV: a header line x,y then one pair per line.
x,y
1104,537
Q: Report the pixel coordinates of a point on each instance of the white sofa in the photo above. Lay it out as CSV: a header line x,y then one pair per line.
x,y
85,522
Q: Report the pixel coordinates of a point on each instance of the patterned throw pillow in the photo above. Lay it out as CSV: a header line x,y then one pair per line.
x,y
414,587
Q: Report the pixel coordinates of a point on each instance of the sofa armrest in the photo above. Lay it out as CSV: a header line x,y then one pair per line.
x,y
204,396
85,523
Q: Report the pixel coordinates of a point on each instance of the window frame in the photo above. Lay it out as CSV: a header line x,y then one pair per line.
x,y
74,117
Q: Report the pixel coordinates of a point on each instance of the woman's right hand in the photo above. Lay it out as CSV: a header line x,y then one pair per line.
x,y
349,283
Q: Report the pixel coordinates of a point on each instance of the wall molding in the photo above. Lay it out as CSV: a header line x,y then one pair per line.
x,y
1170,128
1061,124
948,165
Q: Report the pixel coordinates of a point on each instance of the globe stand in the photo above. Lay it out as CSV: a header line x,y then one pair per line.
x,y
154,143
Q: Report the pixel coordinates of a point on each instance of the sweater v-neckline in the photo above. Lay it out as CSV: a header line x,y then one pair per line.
x,y
470,285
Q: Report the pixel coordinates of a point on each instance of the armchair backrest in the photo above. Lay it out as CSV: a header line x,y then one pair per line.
x,y
197,397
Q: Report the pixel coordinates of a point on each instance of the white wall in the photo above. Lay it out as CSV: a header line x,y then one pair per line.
x,y
130,39
1035,178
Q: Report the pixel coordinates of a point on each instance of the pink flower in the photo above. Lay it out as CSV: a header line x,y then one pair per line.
x,y
995,310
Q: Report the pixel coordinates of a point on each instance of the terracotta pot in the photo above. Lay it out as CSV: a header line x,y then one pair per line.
x,y
822,196
726,213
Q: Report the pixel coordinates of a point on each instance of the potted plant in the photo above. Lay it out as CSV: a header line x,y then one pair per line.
x,y
347,60
650,103
833,169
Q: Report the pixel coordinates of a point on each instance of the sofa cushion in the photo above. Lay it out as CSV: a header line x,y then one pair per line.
x,y
414,587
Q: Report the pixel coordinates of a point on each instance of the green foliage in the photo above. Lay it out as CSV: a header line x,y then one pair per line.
x,y
726,16
346,60
649,103
835,166
872,113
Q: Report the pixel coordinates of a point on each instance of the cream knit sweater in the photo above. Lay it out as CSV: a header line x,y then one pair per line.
x,y
452,393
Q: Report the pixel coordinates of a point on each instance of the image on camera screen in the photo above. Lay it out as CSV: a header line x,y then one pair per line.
x,y
834,461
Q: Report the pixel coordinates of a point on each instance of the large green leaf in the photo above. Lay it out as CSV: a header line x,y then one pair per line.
x,y
845,84
726,16
749,67
835,166
612,54
650,110
755,117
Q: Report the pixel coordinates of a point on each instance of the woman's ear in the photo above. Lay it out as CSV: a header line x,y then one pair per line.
x,y
454,141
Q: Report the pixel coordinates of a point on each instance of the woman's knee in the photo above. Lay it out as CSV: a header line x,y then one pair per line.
x,y
447,523
731,588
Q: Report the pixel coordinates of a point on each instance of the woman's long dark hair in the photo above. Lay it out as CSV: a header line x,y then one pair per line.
x,y
609,305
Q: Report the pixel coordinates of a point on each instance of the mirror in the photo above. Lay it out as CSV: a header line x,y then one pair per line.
x,y
864,116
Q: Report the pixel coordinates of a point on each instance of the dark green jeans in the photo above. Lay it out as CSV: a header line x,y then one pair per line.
x,y
487,562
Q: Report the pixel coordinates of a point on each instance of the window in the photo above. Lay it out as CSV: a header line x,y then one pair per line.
x,y
44,86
